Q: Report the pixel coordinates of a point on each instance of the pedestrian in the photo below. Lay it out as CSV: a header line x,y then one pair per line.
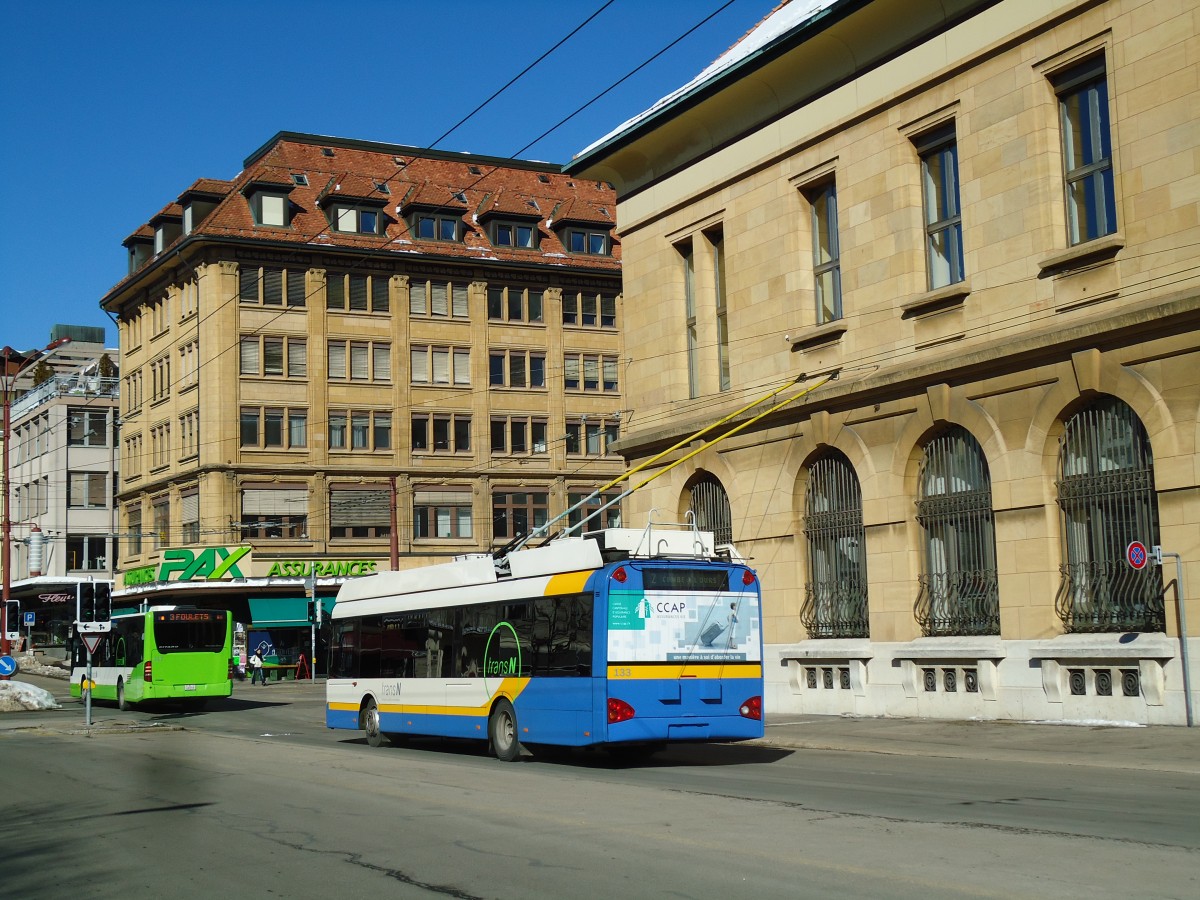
x,y
256,668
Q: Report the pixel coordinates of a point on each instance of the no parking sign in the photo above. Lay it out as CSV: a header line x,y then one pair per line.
x,y
1136,555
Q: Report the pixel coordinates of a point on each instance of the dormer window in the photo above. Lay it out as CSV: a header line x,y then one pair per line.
x,y
269,209
437,226
355,220
581,240
514,234
166,232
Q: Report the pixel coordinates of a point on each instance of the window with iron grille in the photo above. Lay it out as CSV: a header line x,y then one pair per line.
x,y
835,595
958,588
710,504
1106,496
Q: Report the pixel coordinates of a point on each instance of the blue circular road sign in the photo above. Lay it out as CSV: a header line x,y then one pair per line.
x,y
8,666
1136,555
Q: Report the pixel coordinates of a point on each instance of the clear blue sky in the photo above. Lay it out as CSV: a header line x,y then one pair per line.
x,y
111,110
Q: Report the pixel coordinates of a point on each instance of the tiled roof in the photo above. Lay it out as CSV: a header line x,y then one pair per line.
x,y
355,169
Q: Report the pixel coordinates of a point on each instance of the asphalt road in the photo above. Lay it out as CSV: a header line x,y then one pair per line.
x,y
257,797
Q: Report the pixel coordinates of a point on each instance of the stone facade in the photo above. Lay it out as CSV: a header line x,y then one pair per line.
x,y
1042,326
279,373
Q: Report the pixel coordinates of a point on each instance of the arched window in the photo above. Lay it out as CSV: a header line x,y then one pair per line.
x,y
1106,494
958,594
835,595
710,504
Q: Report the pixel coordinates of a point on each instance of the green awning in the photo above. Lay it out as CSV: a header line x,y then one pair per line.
x,y
278,612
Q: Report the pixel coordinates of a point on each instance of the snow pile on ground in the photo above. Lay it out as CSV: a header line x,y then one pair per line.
x,y
16,696
44,668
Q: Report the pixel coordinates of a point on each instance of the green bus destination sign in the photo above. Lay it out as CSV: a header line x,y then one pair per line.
x,y
221,563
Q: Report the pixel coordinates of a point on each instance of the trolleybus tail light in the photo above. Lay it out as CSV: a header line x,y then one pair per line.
x,y
619,711
751,709
747,577
620,575
147,671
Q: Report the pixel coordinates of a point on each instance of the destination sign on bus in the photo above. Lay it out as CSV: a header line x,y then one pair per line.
x,y
685,579
194,616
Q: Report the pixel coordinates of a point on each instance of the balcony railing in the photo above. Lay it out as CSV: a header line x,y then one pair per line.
x,y
81,386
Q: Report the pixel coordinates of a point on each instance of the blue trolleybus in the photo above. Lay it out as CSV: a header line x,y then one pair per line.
x,y
621,639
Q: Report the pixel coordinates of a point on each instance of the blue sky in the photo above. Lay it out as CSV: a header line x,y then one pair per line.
x,y
112,109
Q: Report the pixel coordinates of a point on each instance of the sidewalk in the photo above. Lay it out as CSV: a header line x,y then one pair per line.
x,y
1154,748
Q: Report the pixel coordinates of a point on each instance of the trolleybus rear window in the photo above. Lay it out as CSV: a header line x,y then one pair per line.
x,y
181,631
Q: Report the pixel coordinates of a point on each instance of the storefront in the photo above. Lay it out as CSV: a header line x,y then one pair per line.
x,y
273,601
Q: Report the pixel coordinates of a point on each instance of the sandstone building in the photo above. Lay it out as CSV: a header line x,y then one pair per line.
x,y
984,219
345,325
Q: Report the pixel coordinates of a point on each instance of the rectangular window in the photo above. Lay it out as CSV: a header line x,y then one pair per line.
x,y
87,427
272,428
272,356
274,513
297,351
441,433
943,218
337,431
517,368
515,514
1087,151
360,513
589,515
690,321
297,428
133,530
827,276
442,513
85,490
440,365
723,381
296,295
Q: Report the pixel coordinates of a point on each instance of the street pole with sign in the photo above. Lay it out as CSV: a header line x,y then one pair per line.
x,y
1138,558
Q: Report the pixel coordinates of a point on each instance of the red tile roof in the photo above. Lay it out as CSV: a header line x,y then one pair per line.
x,y
516,187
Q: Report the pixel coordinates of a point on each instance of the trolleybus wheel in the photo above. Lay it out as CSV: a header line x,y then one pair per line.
x,y
370,724
121,704
502,729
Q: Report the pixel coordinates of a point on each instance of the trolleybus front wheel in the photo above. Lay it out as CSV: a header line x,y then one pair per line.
x,y
370,724
502,730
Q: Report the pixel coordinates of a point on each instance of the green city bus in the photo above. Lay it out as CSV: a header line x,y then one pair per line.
x,y
173,653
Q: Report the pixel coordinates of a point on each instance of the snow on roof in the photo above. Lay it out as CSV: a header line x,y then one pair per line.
x,y
783,19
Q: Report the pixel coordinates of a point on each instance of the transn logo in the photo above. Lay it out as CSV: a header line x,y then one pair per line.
x,y
209,564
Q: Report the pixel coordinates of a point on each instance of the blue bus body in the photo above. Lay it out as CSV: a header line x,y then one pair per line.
x,y
639,651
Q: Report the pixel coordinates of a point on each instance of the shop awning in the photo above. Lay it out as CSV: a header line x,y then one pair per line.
x,y
278,612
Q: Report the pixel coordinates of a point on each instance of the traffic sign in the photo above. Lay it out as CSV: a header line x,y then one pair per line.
x,y
8,666
29,620
1136,555
91,640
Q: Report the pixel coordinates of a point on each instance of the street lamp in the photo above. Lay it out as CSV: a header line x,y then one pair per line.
x,y
15,363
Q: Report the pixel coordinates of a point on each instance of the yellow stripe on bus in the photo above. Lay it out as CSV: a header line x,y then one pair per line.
x,y
567,583
687,670
509,687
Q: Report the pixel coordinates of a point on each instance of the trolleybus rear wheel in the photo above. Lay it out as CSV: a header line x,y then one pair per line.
x,y
502,729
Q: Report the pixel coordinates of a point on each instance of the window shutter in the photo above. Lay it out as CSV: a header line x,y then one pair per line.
x,y
337,359
295,288
297,357
358,361
460,301
189,505
249,354
382,363
419,364
358,293
363,508
380,301
273,286
462,366
441,366
276,502
416,299
439,299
